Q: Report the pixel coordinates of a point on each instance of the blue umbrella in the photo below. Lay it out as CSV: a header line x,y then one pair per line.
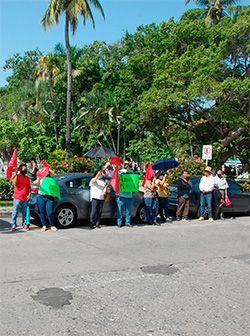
x,y
165,164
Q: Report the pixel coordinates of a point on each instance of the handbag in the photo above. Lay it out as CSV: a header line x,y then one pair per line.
x,y
227,201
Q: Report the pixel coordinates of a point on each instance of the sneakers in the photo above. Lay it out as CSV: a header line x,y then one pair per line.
x,y
178,219
13,228
43,229
211,219
184,219
169,220
26,228
53,228
155,223
201,218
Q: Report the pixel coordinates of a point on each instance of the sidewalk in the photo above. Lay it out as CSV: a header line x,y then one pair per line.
x,y
5,211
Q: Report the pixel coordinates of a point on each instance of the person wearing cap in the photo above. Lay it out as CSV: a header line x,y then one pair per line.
x,y
184,187
222,186
206,187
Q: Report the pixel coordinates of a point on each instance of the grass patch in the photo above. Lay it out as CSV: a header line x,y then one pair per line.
x,y
5,204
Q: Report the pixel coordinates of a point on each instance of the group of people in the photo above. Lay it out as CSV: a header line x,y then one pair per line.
x,y
26,181
156,195
155,188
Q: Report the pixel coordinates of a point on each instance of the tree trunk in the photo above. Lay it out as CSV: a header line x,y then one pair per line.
x,y
69,88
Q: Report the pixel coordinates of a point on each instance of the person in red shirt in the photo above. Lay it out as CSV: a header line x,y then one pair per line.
x,y
21,184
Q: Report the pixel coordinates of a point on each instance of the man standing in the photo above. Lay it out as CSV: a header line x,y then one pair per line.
x,y
222,185
184,187
21,184
206,187
125,200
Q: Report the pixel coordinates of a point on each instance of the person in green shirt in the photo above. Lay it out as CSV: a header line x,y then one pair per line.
x,y
48,194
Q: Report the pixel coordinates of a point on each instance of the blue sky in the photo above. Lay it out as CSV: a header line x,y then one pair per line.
x,y
20,28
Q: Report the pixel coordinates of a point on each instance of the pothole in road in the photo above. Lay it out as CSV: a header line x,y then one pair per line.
x,y
54,297
160,269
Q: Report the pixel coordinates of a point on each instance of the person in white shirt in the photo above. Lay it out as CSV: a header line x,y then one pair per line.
x,y
97,193
206,187
222,186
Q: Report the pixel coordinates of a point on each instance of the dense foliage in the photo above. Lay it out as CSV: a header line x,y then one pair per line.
x,y
177,86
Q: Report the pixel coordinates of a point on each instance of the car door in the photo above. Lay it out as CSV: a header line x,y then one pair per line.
x,y
239,199
109,207
78,193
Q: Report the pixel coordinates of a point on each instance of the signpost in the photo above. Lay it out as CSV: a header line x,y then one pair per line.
x,y
207,153
129,182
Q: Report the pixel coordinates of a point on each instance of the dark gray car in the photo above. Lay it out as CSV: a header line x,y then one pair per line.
x,y
75,201
239,198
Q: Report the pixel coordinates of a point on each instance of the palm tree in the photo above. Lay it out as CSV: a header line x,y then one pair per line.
x,y
214,9
72,9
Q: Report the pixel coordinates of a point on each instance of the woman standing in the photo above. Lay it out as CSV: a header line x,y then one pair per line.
x,y
150,199
162,184
48,194
97,193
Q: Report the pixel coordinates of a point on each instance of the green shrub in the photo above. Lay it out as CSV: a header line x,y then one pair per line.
x,y
56,155
74,165
194,168
6,189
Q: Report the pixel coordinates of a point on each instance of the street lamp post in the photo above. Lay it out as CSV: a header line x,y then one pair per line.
x,y
118,120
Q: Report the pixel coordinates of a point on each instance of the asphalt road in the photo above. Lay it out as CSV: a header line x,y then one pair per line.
x,y
179,279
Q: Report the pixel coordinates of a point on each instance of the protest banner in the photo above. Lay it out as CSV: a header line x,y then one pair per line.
x,y
129,182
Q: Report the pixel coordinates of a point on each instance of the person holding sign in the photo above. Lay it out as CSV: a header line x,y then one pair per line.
x,y
150,197
48,193
125,198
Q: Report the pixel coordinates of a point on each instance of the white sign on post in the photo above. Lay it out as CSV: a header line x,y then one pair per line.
x,y
207,152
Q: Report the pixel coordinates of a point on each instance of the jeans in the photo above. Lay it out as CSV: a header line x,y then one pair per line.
x,y
151,208
17,205
163,204
46,205
121,203
206,199
96,211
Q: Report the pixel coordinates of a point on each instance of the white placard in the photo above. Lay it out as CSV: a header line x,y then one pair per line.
x,y
207,152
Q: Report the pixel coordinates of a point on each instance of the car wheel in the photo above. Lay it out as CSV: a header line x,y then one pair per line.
x,y
66,216
141,214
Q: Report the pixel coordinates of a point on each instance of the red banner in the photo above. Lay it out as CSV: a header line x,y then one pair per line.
x,y
44,171
149,174
114,181
12,164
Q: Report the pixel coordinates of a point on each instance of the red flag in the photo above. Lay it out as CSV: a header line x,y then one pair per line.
x,y
12,164
44,171
115,181
115,160
149,174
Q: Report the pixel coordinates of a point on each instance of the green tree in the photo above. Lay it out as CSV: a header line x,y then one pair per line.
x,y
214,9
72,9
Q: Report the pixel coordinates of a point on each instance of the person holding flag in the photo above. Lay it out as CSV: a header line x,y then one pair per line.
x,y
150,197
97,193
49,193
21,184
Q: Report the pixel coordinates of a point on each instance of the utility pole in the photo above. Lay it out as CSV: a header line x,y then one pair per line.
x,y
118,120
